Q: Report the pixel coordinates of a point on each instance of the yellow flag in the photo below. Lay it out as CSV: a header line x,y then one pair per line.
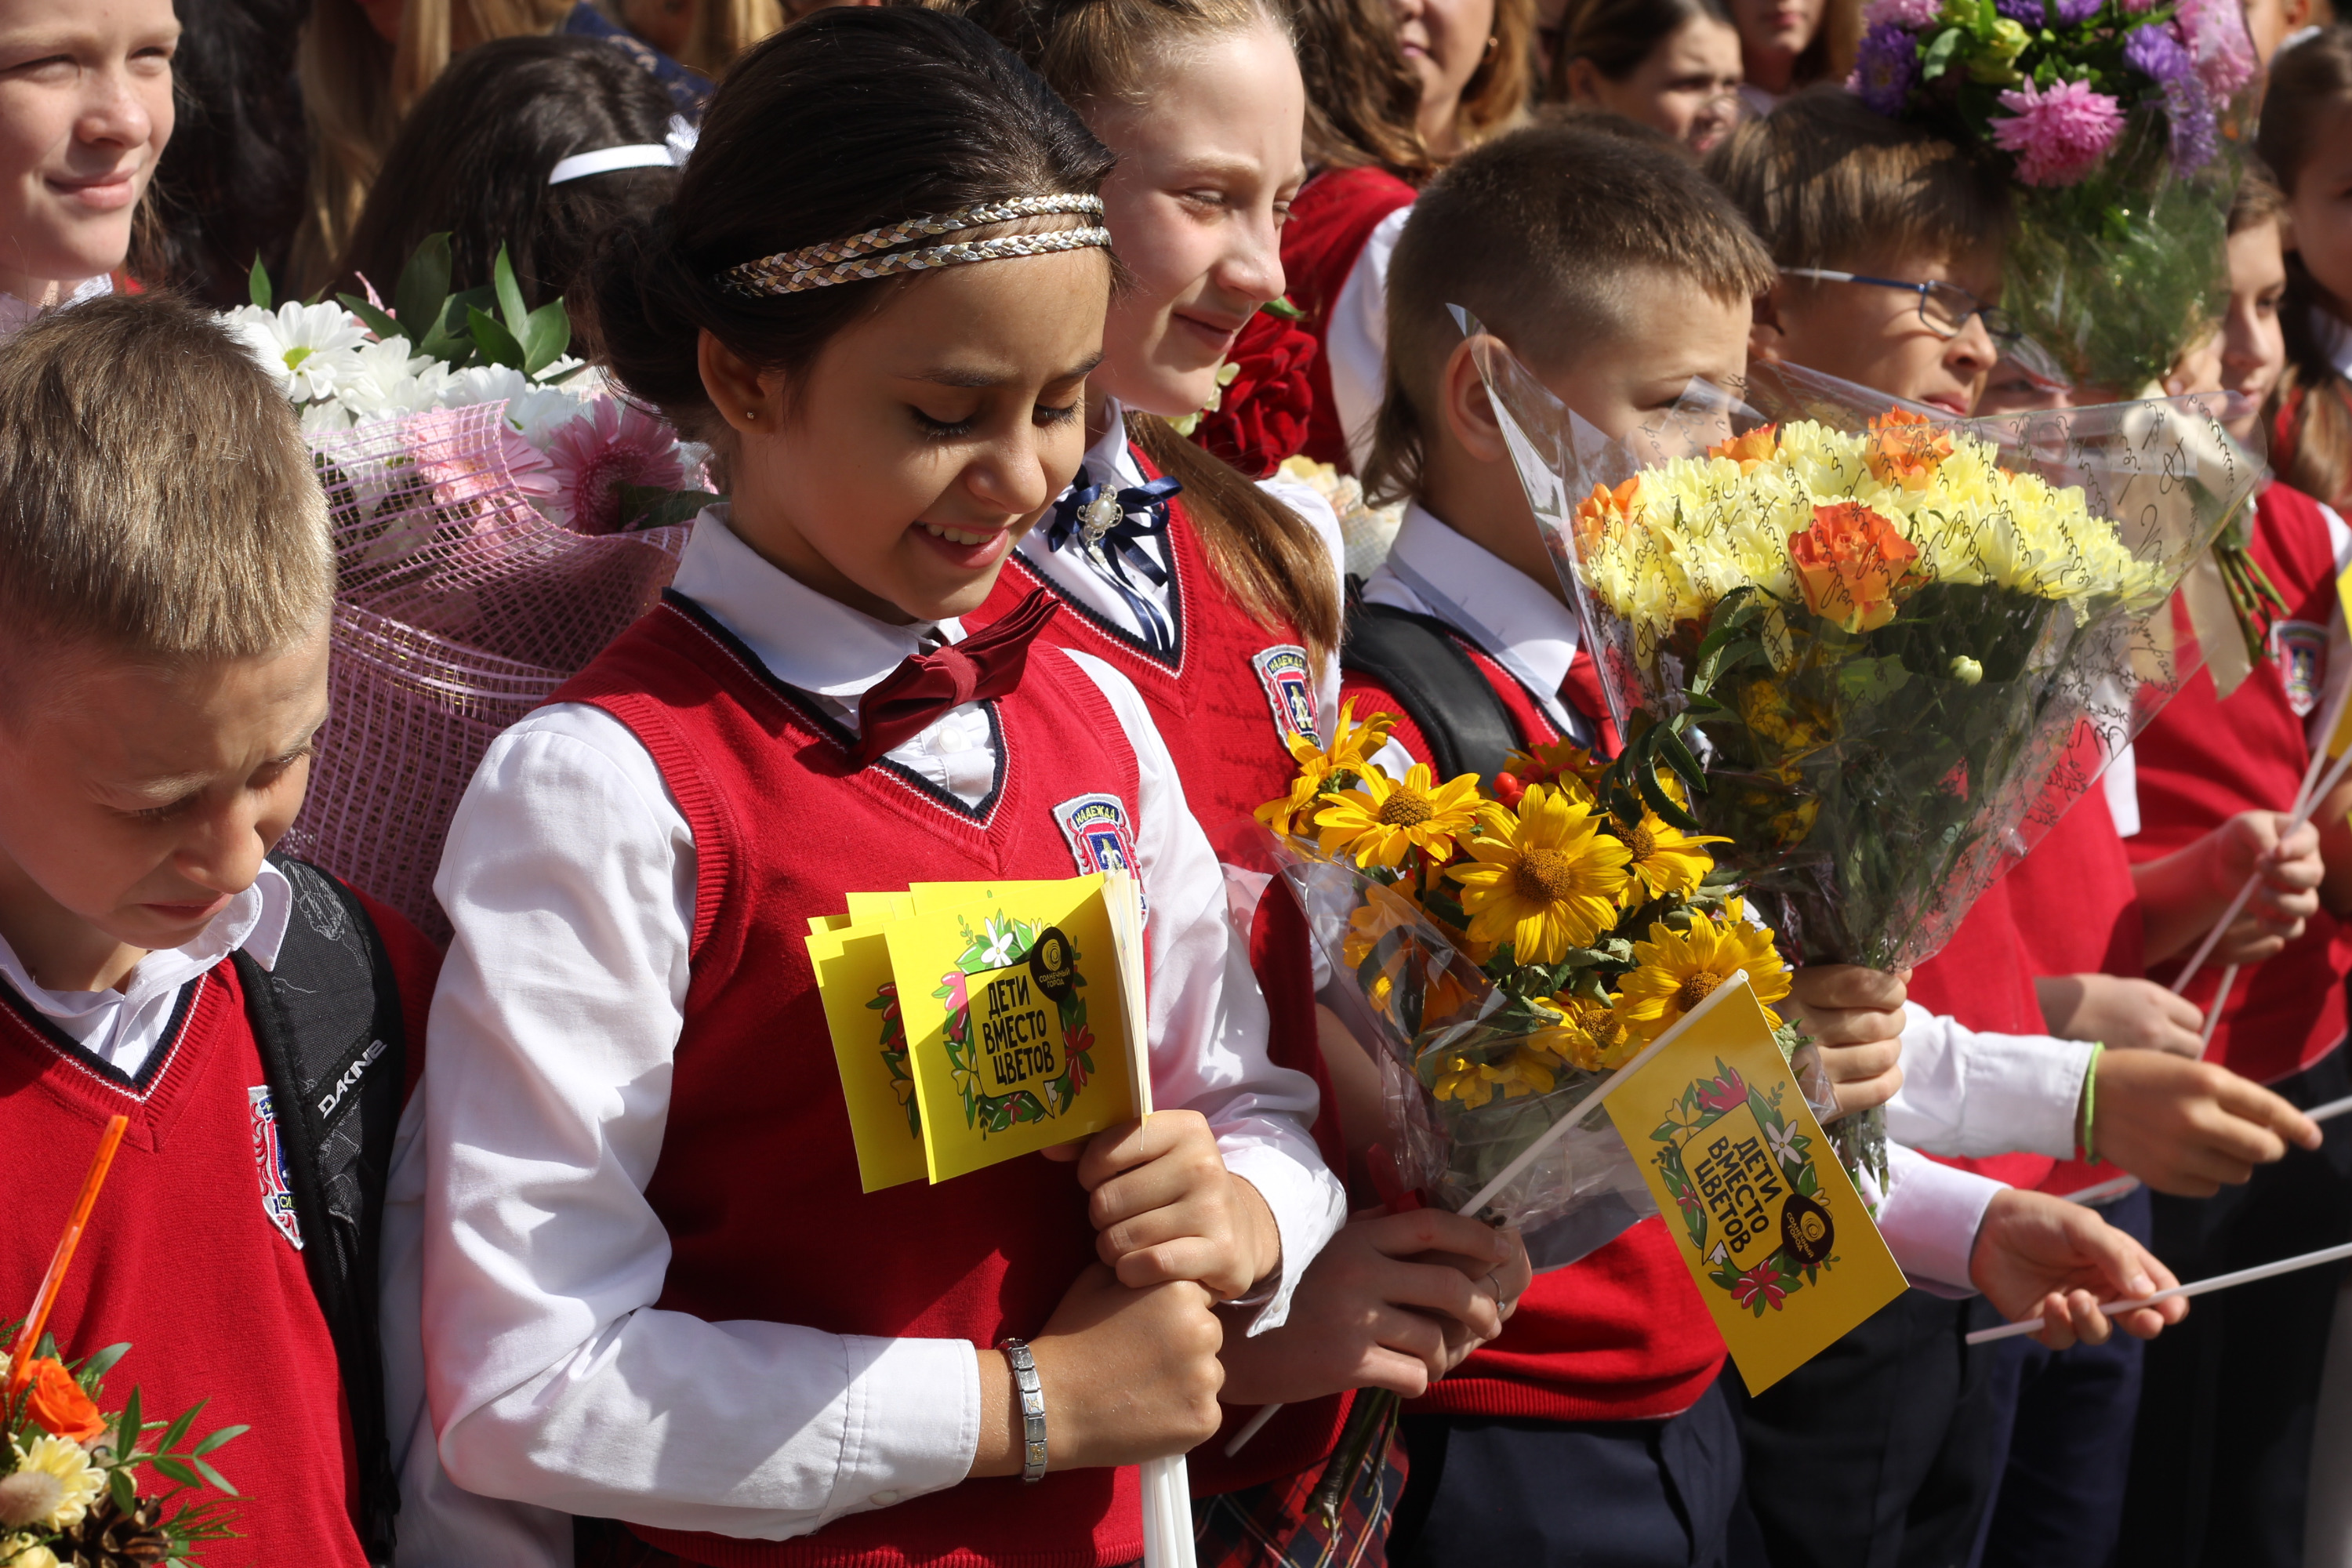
x,y
869,1046
1017,1020
2341,740
1779,1243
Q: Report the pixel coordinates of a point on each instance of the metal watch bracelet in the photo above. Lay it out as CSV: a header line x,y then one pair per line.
x,y
1033,1409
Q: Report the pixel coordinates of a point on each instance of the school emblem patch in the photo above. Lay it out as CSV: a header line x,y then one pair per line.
x,y
1101,838
2299,649
269,1160
1290,683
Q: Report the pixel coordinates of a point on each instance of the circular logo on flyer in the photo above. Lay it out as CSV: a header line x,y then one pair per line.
x,y
1806,1230
1050,966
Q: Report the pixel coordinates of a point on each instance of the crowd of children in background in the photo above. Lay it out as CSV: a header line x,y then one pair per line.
x,y
561,1253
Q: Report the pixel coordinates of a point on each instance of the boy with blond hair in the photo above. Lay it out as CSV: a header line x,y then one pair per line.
x,y
1593,1429
165,577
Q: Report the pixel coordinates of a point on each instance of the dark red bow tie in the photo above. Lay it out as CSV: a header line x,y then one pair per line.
x,y
984,665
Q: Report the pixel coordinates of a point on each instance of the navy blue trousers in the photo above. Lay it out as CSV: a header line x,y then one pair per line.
x,y
2068,1448
1509,1493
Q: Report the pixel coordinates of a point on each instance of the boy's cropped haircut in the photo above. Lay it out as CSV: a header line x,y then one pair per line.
x,y
157,498
1534,233
1828,181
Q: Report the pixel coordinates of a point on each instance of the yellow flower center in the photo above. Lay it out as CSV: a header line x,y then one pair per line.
x,y
1545,876
1403,809
1696,989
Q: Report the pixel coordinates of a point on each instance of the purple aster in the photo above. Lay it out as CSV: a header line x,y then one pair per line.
x,y
1885,69
2189,114
2156,55
2075,13
2025,12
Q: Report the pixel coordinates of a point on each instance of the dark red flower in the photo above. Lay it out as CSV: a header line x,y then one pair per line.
x,y
1729,1092
1761,1282
1261,418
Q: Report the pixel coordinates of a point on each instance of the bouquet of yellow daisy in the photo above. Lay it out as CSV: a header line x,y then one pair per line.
x,y
1510,949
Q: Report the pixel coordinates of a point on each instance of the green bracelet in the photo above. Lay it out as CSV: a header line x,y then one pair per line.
x,y
2091,1106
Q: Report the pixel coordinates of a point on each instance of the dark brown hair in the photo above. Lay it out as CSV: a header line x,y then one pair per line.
x,y
1827,182
1095,51
474,156
1532,234
1496,97
1363,97
2306,83
2259,200
1617,35
852,119
156,496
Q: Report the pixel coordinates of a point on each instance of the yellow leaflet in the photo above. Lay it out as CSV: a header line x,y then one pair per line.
x,y
863,907
929,897
869,1045
1776,1239
2341,740
819,924
1015,1008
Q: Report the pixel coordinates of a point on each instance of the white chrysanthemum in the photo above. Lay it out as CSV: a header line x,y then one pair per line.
x,y
309,349
534,411
320,417
23,1552
62,1464
389,379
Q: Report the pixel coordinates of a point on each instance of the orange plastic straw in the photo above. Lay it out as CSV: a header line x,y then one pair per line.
x,y
20,1355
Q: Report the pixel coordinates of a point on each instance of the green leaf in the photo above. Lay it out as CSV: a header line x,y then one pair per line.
x,y
1283,308
382,325
423,285
177,1429
257,284
177,1469
650,506
220,1437
131,1422
1659,801
1937,57
493,341
1679,758
117,1483
546,333
99,1364
511,305
218,1480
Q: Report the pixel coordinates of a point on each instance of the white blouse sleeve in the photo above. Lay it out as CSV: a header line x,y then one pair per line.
x,y
553,1379
1316,511
1930,1218
1208,1020
1970,1093
1356,340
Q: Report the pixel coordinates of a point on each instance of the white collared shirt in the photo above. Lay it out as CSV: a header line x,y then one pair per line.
x,y
569,878
16,312
1110,461
1514,620
123,1026
1356,338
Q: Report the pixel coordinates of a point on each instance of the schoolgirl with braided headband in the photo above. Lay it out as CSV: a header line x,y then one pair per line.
x,y
657,1292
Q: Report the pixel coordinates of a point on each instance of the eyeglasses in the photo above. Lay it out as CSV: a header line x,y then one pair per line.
x,y
1944,307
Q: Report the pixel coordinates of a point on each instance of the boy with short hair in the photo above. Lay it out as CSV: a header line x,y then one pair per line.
x,y
165,577
1592,1429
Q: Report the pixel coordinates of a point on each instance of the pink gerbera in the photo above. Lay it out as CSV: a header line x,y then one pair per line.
x,y
465,454
2060,133
611,444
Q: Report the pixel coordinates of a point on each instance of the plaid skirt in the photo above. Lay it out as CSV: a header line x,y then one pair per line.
x,y
1275,1526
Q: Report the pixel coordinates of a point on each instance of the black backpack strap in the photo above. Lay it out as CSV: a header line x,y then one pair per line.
x,y
1446,696
328,1020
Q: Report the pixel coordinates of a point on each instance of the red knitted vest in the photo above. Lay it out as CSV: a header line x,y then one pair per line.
x,y
2203,761
1225,702
1620,1335
758,1180
184,1258
1330,218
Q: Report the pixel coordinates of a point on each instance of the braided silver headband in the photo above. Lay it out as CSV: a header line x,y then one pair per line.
x,y
840,260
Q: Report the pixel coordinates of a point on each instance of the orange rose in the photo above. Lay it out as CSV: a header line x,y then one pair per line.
x,y
1757,447
55,1401
1596,509
1852,564
1903,452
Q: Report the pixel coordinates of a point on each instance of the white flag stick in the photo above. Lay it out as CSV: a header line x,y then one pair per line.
x,y
2102,1192
2219,1282
2301,815
2330,1111
1550,1135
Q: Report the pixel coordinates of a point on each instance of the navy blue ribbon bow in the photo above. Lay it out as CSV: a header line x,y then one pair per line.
x,y
1112,544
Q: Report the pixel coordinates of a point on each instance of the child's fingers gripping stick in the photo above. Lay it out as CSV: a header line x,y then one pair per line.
x,y
1165,1207
2038,1253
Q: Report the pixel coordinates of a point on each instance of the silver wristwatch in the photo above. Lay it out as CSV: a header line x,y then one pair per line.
x,y
1033,1409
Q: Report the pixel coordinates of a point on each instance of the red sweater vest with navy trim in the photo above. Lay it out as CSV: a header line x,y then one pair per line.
x,y
1226,702
2202,761
1330,218
1620,1335
191,1254
758,1184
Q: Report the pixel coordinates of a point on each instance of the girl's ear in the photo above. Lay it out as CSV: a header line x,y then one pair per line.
x,y
1764,329
735,387
1583,78
1469,412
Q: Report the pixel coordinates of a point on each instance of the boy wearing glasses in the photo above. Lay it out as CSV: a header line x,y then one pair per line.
x,y
1887,242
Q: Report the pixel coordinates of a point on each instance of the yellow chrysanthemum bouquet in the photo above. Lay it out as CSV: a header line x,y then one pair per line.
x,y
1881,653
1510,949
